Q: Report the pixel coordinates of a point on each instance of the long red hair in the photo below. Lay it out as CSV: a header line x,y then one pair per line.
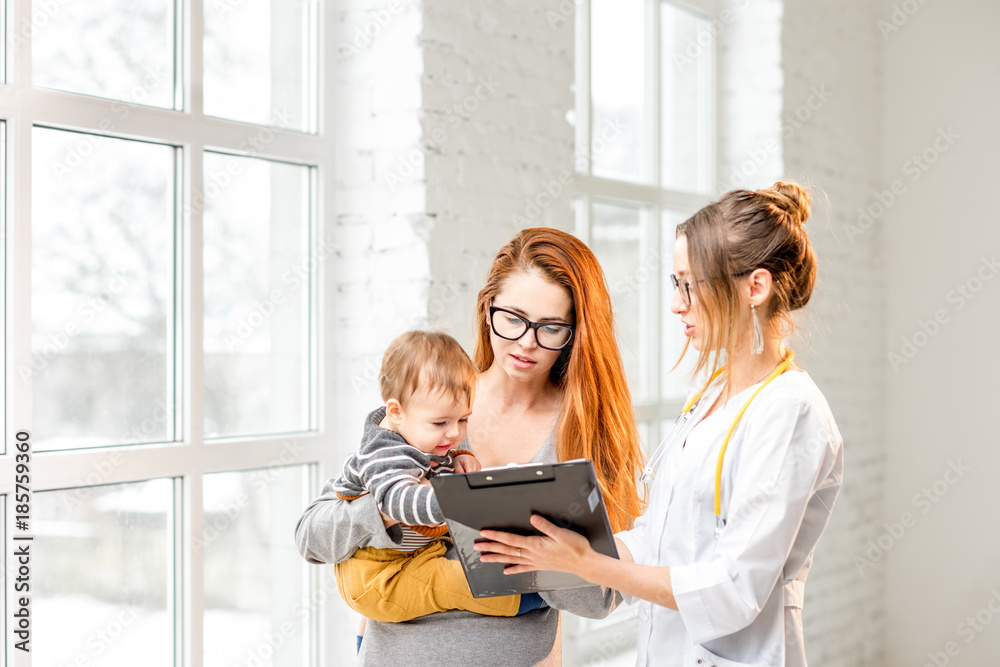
x,y
597,421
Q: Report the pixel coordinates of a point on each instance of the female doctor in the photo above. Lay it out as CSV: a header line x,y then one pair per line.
x,y
743,486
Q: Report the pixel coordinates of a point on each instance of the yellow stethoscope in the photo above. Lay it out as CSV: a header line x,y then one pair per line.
x,y
649,471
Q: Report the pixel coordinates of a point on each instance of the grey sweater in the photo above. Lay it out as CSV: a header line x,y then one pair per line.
x,y
330,531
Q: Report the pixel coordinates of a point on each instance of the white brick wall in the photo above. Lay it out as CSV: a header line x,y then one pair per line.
x,y
497,85
378,219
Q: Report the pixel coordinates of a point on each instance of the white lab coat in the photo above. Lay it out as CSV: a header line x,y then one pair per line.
x,y
739,597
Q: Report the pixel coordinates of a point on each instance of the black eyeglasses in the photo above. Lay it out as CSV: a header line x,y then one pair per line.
x,y
685,287
511,326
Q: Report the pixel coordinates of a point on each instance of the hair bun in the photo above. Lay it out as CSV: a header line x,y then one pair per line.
x,y
792,199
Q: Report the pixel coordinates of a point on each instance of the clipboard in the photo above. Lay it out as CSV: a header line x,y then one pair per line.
x,y
566,494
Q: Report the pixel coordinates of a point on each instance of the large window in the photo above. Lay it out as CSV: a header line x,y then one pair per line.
x,y
645,136
646,143
162,164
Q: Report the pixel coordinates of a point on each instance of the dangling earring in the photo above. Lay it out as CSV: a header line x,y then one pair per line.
x,y
757,347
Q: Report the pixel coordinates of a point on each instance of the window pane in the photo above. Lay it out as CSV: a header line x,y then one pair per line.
x,y
119,49
102,290
617,88
665,426
258,56
103,575
688,51
258,274
674,385
645,429
255,580
616,239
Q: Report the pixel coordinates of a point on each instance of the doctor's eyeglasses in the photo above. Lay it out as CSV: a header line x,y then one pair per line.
x,y
685,287
511,326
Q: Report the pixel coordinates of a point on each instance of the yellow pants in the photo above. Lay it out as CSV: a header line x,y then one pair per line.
x,y
392,586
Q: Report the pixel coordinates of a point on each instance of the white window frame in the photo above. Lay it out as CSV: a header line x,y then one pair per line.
x,y
190,458
589,638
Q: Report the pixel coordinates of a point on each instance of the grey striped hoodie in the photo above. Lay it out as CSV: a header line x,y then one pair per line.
x,y
390,469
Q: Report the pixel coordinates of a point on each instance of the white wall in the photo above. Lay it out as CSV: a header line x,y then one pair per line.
x,y
942,70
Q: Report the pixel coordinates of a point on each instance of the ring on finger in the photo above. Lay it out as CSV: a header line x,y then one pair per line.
x,y
519,553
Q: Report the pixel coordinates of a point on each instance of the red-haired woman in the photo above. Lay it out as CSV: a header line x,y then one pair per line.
x,y
564,382
744,485
552,387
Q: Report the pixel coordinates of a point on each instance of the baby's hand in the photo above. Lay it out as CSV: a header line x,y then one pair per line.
x,y
466,463
387,520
